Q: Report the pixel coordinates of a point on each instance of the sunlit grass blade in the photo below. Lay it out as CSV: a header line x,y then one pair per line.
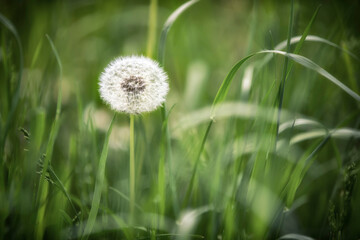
x,y
242,110
301,123
296,237
98,184
166,28
340,133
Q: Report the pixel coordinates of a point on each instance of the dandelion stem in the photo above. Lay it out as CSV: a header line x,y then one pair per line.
x,y
132,168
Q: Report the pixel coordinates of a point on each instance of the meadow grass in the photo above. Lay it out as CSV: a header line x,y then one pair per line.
x,y
258,138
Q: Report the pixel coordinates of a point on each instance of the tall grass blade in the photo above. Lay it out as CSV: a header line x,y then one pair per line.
x,y
15,99
166,135
285,71
126,198
152,28
166,28
224,88
41,195
56,123
191,183
98,184
300,170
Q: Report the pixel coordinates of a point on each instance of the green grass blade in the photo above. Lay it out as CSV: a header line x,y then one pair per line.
x,y
340,133
126,198
191,184
300,170
224,88
152,28
99,184
62,188
313,66
306,32
55,126
41,195
222,92
166,135
167,153
166,28
36,53
53,48
15,100
313,38
285,73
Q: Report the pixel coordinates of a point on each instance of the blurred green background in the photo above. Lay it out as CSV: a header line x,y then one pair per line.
x,y
240,189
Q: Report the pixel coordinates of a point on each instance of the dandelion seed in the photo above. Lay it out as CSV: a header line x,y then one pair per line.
x,y
133,85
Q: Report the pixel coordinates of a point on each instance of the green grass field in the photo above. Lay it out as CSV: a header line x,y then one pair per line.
x,y
259,137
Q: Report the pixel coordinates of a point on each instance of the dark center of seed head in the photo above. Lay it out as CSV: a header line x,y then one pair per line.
x,y
133,85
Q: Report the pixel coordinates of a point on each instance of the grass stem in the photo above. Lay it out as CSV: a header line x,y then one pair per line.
x,y
152,29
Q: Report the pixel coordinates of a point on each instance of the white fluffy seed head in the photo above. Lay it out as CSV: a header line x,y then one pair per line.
x,y
133,85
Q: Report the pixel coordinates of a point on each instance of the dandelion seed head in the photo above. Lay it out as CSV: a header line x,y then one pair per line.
x,y
133,85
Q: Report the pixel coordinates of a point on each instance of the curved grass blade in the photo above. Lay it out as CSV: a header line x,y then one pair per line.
x,y
313,38
55,53
125,197
169,22
313,66
15,100
340,133
309,38
243,110
99,184
224,88
56,124
222,92
300,122
41,195
166,149
300,170
58,183
286,70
